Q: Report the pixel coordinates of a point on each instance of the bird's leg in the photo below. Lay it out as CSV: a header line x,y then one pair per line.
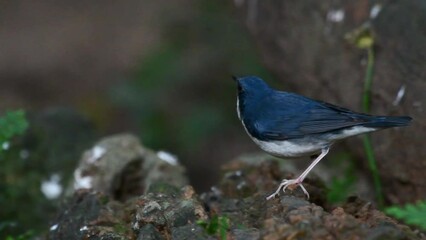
x,y
285,182
324,152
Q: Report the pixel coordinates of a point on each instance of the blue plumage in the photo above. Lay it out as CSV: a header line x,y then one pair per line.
x,y
291,125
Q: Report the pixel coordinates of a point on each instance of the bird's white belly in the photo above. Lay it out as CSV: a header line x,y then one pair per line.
x,y
289,148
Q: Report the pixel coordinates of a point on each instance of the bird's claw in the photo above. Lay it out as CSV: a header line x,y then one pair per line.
x,y
286,183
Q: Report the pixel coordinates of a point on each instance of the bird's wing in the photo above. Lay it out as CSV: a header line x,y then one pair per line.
x,y
294,116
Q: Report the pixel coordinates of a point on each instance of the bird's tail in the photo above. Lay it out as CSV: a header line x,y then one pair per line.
x,y
387,122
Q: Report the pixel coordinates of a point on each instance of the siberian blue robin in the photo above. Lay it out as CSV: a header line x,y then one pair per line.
x,y
286,124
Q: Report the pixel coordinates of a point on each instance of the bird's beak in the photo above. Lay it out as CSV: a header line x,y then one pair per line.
x,y
235,78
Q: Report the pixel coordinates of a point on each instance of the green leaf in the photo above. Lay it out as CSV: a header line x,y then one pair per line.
x,y
414,214
213,226
12,124
224,226
217,225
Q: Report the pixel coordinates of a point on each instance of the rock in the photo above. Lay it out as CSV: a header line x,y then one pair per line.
x,y
303,44
168,210
120,167
250,174
75,220
153,216
190,231
149,232
236,209
291,216
245,234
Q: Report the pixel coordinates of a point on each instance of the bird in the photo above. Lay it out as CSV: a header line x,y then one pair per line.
x,y
286,124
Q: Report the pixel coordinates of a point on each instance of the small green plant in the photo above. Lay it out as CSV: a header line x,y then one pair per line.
x,y
414,214
217,225
25,236
11,124
363,38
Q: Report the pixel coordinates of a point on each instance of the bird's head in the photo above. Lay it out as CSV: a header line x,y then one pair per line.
x,y
251,86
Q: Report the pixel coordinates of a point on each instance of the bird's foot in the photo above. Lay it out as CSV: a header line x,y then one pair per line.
x,y
285,184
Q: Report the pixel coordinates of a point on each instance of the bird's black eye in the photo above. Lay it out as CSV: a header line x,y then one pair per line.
x,y
240,89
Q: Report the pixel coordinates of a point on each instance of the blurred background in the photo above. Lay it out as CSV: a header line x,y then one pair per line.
x,y
82,70
162,70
